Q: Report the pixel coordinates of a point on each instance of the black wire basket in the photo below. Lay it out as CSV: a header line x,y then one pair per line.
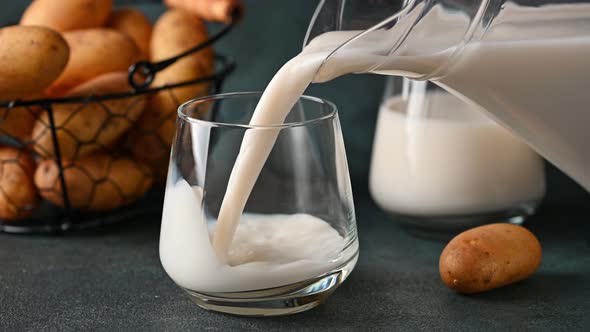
x,y
37,190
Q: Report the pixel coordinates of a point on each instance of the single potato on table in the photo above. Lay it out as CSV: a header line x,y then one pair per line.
x,y
489,257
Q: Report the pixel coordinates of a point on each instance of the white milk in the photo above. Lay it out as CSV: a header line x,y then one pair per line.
x,y
282,93
445,158
530,75
527,74
541,98
267,251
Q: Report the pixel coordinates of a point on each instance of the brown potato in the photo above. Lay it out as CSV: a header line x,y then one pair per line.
x,y
32,58
94,52
175,32
18,122
210,10
84,128
134,24
66,15
489,257
97,183
18,196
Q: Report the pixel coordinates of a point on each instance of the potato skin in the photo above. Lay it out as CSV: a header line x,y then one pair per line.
x,y
85,128
18,122
66,15
96,183
174,32
134,24
94,52
489,257
32,58
210,10
18,196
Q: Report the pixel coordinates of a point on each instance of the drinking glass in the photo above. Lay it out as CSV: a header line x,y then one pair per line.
x,y
441,164
296,241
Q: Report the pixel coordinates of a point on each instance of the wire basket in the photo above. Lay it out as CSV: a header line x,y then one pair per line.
x,y
109,187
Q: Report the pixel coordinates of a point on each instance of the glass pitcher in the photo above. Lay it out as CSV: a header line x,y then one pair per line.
x,y
527,63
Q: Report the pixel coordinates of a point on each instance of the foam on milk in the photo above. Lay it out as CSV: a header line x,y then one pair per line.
x,y
528,80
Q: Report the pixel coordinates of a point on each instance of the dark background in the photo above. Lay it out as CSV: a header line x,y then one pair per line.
x,y
272,33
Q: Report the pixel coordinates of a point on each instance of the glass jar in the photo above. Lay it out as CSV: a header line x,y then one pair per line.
x,y
440,163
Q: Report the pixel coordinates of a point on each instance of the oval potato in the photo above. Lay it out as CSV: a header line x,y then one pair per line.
x,y
18,122
175,32
18,196
66,15
94,52
97,183
489,257
31,58
134,24
84,128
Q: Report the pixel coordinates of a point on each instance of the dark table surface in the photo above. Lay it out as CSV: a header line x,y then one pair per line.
x,y
111,279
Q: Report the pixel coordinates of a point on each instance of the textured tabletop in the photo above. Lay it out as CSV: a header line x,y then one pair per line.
x,y
112,280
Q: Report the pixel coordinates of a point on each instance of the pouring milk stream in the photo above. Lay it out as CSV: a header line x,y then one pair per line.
x,y
528,67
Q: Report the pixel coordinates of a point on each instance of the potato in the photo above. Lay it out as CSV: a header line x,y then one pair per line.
x,y
173,33
94,52
134,24
84,128
18,122
97,183
488,257
32,58
66,15
210,10
18,196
